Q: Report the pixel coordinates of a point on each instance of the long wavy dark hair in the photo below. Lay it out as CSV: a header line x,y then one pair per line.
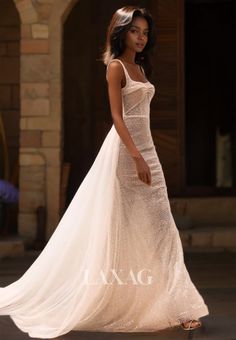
x,y
115,39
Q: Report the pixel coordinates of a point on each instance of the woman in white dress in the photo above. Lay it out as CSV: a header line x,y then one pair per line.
x,y
115,261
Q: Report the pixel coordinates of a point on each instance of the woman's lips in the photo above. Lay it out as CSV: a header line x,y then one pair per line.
x,y
140,45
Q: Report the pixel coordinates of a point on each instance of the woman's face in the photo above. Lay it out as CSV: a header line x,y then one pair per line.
x,y
137,36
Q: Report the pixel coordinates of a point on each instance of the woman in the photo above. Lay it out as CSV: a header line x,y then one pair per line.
x,y
115,261
131,30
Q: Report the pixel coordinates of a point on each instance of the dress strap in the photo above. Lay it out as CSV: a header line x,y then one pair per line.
x,y
125,71
127,76
142,69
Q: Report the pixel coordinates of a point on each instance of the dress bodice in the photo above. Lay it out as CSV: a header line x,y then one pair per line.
x,y
136,96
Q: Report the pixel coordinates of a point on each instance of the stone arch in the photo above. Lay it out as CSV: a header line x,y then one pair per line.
x,y
26,11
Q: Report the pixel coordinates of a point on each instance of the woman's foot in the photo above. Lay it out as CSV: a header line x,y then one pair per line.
x,y
191,324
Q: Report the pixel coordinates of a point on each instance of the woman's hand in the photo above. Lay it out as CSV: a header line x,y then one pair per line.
x,y
143,169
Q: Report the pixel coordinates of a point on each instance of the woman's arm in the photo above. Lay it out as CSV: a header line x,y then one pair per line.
x,y
114,78
115,74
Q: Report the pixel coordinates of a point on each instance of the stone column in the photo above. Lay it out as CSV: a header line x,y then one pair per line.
x,y
41,111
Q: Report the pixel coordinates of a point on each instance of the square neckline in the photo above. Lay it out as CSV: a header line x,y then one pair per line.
x,y
135,81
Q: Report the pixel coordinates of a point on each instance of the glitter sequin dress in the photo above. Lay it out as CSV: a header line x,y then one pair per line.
x,y
115,261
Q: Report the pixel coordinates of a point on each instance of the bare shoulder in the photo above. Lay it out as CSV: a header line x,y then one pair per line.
x,y
115,71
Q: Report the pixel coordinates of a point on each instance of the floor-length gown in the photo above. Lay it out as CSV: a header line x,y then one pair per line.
x,y
115,261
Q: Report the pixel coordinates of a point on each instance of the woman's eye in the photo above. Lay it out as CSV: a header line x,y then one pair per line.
x,y
135,31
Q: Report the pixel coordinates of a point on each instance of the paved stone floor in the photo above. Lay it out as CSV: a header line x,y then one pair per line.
x,y
214,274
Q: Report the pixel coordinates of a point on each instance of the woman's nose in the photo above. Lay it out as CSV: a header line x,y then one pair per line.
x,y
142,36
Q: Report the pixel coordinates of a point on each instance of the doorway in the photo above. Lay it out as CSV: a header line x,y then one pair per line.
x,y
9,117
210,117
86,112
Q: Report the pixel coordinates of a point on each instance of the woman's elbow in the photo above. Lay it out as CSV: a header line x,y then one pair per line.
x,y
117,117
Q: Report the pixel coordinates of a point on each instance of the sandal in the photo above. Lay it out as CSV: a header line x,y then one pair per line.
x,y
189,327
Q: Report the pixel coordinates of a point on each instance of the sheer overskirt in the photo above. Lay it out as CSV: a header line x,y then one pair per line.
x,y
43,301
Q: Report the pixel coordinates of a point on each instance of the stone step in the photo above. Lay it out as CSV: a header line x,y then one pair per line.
x,y
202,238
204,210
220,237
12,246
